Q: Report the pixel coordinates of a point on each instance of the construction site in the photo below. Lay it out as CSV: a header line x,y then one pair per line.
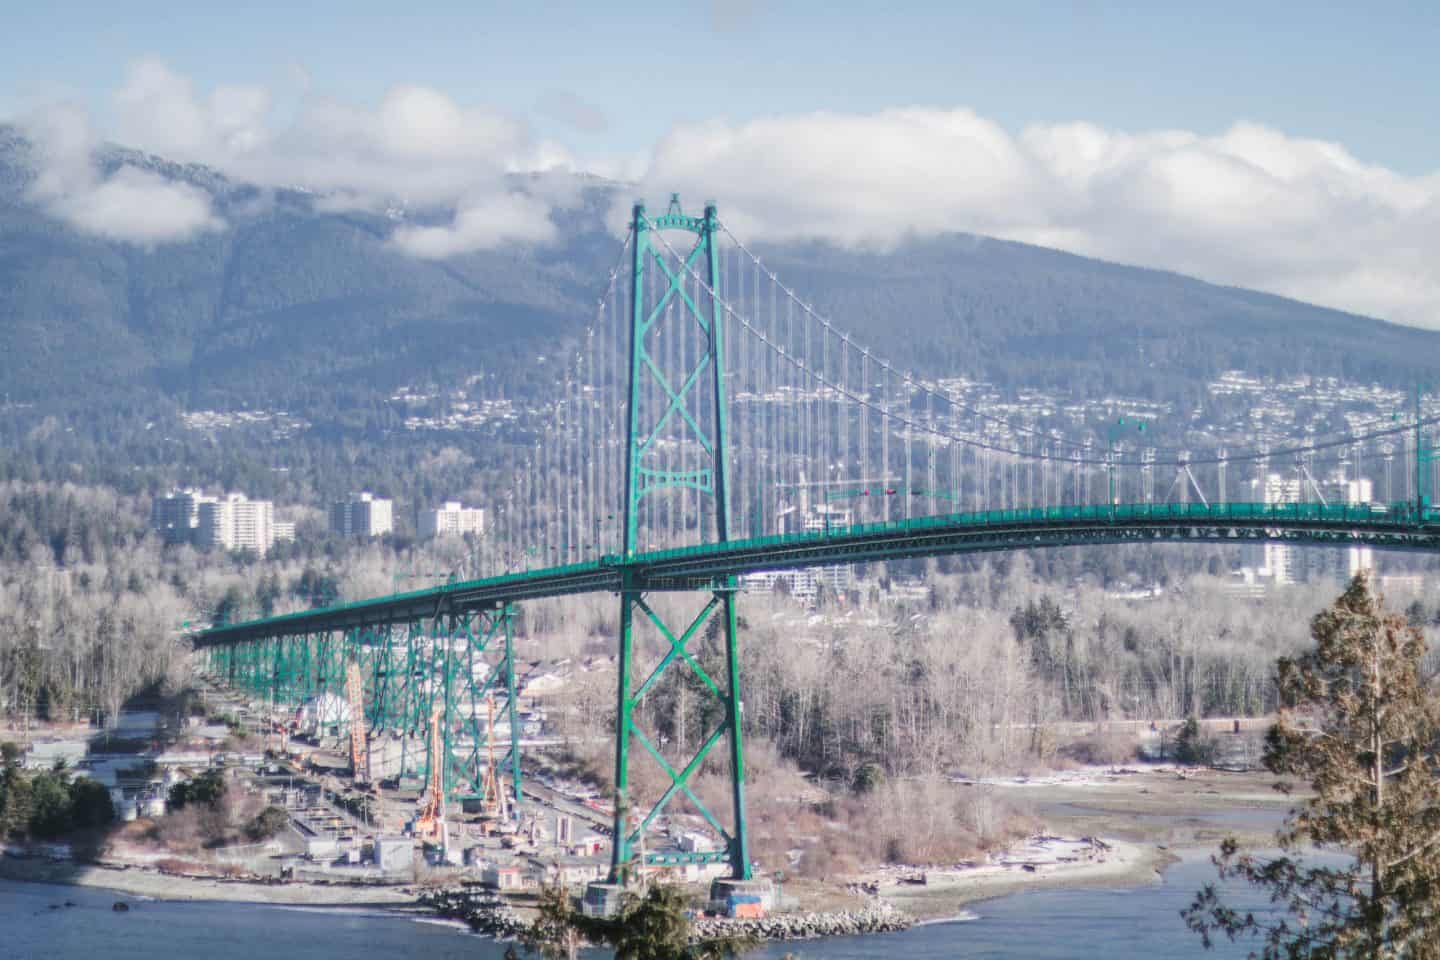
x,y
476,801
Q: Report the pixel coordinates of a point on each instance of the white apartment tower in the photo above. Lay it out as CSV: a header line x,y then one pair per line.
x,y
235,522
362,515
1286,563
452,519
1282,561
1358,558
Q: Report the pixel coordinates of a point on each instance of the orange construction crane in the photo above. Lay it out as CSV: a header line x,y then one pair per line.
x,y
490,800
432,804
359,742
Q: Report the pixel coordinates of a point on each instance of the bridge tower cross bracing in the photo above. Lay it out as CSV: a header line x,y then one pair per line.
x,y
688,406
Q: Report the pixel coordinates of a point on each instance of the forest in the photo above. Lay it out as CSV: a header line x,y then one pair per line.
x,y
95,608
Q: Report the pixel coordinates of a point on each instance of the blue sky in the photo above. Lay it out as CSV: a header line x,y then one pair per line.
x,y
1284,146
1362,74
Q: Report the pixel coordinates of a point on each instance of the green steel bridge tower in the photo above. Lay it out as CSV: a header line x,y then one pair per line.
x,y
682,395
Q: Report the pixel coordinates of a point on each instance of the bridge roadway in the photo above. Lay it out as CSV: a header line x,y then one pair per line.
x,y
1396,525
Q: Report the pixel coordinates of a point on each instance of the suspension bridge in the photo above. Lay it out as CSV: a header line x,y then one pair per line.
x,y
712,425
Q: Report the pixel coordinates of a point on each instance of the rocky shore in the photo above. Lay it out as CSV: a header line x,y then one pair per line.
x,y
488,913
484,911
809,926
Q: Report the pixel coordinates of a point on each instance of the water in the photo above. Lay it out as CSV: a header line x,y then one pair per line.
x,y
1266,819
1131,924
213,931
1142,922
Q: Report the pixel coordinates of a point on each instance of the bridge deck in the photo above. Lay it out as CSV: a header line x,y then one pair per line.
x,y
698,567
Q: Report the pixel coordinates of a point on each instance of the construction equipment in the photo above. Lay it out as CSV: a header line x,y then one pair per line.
x,y
491,804
431,821
359,741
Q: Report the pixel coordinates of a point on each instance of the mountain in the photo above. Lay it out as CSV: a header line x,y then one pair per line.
x,y
312,311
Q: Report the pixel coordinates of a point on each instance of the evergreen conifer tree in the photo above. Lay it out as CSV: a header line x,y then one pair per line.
x,y
1369,755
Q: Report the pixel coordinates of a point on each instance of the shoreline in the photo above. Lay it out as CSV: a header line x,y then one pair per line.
x,y
1107,830
948,894
1147,815
134,881
941,900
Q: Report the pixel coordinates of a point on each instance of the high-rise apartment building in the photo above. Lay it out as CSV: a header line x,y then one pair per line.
x,y
175,517
235,522
452,519
1282,561
1287,563
362,515
1357,558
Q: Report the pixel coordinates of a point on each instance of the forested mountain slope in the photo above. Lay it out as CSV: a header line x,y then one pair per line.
x,y
297,308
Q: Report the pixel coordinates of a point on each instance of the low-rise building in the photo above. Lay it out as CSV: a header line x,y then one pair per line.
x,y
571,871
394,853
506,876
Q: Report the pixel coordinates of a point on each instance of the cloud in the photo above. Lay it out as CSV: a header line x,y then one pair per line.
x,y
484,224
728,16
159,111
573,110
416,148
416,145
129,204
1250,206
139,206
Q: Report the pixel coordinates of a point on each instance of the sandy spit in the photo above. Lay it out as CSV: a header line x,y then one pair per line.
x,y
140,882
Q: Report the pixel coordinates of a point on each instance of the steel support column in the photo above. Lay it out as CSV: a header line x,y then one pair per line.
x,y
507,614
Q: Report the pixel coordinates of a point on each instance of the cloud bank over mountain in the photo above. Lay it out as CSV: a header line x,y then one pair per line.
x,y
1251,206
416,147
128,204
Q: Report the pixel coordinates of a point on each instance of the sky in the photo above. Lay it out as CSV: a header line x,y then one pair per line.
x,y
1290,147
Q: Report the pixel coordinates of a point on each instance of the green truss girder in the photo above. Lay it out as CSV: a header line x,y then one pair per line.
x,y
408,671
1391,526
464,724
